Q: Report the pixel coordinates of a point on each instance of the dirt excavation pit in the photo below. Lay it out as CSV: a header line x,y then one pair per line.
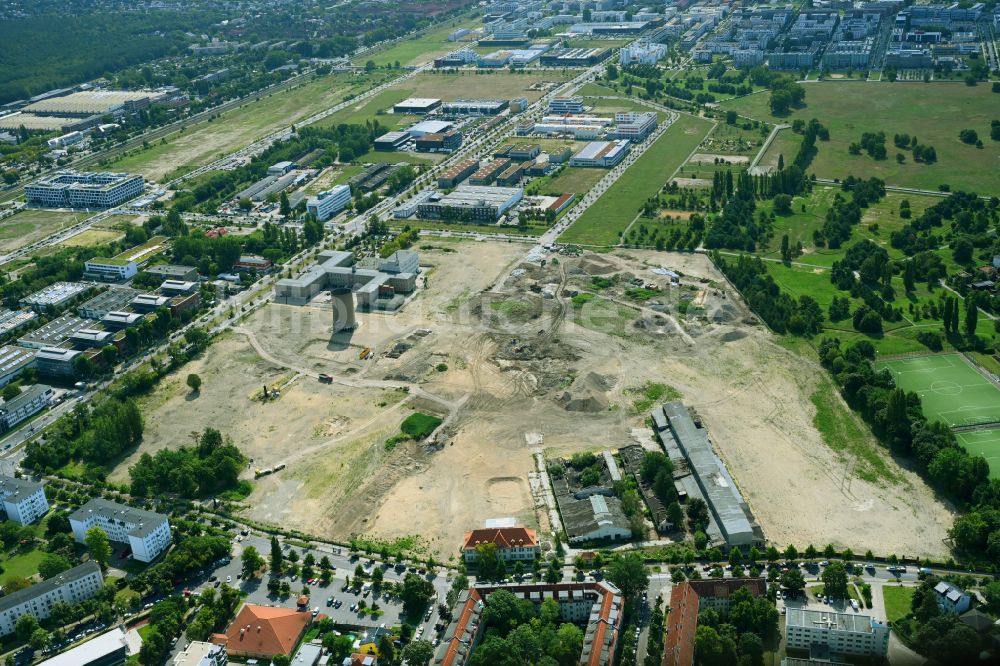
x,y
507,349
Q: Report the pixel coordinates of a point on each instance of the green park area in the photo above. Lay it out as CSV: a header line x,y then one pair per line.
x,y
29,225
897,601
933,112
604,222
951,390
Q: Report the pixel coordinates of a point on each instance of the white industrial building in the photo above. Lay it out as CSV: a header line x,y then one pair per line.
x,y
327,204
471,203
71,189
110,270
69,587
13,361
146,532
841,633
23,499
566,105
601,154
634,126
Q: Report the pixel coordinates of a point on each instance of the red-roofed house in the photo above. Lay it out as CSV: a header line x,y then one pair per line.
x,y
260,632
686,599
513,543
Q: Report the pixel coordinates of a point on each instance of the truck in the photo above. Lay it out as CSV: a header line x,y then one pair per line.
x,y
325,378
365,353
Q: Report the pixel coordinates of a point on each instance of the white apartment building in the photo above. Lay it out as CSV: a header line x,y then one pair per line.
x,y
329,203
842,633
642,54
69,587
31,401
23,499
146,532
84,190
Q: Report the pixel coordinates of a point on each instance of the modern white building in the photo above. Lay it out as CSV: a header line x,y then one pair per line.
x,y
601,154
111,647
69,587
23,499
72,189
327,204
842,633
13,361
642,54
200,653
951,599
634,126
146,532
566,105
28,403
110,269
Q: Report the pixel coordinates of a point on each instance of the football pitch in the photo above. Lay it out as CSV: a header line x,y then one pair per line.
x,y
949,388
985,443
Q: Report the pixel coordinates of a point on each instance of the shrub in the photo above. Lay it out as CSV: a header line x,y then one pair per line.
x,y
419,425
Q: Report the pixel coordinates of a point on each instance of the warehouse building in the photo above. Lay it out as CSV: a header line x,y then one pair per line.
x,y
429,127
489,171
12,320
70,587
54,333
173,272
416,106
88,103
146,532
72,189
840,633
391,141
474,107
29,402
601,154
55,295
114,298
574,57
445,142
178,288
23,500
56,361
456,174
91,338
13,361
327,204
120,320
109,649
730,522
146,303
471,202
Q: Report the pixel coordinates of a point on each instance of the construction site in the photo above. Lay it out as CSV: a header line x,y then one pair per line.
x,y
524,353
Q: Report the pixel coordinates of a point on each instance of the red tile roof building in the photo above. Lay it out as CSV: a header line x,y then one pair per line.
x,y
596,605
686,599
513,543
260,632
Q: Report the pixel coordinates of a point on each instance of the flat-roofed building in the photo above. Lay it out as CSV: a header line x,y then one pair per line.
x,y
29,402
456,174
90,338
474,107
54,296
487,173
146,303
417,105
200,653
842,633
54,333
562,105
13,361
109,300
634,126
173,272
70,587
444,142
87,103
120,320
429,127
601,154
251,262
71,189
330,202
56,361
109,649
23,499
582,57
391,141
124,265
12,320
146,532
178,287
471,202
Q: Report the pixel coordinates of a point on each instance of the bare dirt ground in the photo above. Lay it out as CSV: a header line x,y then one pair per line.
x,y
483,346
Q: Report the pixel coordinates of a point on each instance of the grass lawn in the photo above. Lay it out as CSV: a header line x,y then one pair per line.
x,y
843,433
22,565
570,179
897,601
29,225
531,230
206,141
610,215
421,49
950,389
786,143
985,443
850,108
607,107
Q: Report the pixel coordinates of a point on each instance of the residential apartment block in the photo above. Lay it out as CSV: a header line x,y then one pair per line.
x,y
146,532
23,499
31,401
513,543
69,587
842,633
